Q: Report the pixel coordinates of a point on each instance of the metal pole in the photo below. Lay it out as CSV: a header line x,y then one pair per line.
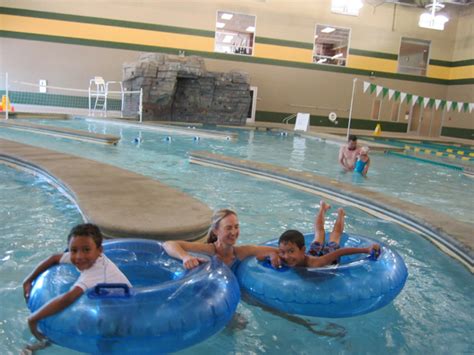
x,y
350,109
380,110
140,105
7,100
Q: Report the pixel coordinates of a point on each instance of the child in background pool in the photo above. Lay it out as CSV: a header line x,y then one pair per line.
x,y
363,161
85,253
292,248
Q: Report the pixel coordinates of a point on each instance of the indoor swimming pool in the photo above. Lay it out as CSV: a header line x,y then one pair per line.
x,y
440,188
432,313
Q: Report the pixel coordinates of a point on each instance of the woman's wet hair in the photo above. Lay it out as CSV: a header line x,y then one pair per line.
x,y
217,217
292,236
87,230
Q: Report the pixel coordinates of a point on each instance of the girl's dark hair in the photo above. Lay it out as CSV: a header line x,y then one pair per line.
x,y
216,218
86,230
292,236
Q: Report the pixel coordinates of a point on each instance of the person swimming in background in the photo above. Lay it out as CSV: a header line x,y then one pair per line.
x,y
85,253
222,237
363,161
348,153
292,250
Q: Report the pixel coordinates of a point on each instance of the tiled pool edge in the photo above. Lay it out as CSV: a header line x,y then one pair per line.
x,y
453,237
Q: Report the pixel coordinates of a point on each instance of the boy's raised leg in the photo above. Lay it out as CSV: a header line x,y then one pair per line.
x,y
336,233
319,232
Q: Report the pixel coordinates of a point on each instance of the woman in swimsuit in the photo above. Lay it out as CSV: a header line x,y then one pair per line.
x,y
222,237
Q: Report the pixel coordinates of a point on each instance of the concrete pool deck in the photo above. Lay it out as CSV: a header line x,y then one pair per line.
x,y
123,203
453,237
61,132
341,132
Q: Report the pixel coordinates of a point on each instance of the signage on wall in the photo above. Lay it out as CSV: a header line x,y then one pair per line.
x,y
302,122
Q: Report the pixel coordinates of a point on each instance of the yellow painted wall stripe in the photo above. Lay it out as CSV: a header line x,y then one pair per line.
x,y
68,29
283,53
105,33
462,72
376,64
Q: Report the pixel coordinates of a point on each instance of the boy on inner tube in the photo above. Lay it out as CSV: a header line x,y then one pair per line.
x,y
292,250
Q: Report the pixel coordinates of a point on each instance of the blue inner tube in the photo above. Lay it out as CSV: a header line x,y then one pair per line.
x,y
357,285
168,308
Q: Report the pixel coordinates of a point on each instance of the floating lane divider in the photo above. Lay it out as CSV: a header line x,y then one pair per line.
x,y
169,129
451,236
449,153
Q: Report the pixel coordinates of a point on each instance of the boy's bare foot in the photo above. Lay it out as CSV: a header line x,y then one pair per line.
x,y
341,212
324,206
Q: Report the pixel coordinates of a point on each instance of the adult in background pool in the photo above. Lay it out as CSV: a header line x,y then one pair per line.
x,y
348,153
222,236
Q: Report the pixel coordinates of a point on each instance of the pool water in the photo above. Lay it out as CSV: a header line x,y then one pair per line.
x,y
432,313
440,188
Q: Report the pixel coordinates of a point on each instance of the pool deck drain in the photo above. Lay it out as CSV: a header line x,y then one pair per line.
x,y
123,203
452,236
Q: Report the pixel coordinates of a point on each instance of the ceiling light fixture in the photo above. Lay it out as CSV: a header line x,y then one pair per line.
x,y
430,19
328,29
250,29
220,24
226,16
346,7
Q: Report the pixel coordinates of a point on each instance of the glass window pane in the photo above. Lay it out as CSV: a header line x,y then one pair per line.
x,y
414,56
235,33
331,45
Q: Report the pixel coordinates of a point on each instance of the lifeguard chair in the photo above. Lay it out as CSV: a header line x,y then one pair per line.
x,y
98,94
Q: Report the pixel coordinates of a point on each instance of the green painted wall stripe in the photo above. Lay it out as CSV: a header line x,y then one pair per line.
x,y
104,21
231,57
372,54
465,133
316,120
283,43
459,63
202,33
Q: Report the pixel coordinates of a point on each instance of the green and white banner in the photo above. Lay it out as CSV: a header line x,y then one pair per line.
x,y
412,99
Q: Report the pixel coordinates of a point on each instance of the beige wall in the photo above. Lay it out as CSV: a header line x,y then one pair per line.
x,y
377,28
281,89
464,43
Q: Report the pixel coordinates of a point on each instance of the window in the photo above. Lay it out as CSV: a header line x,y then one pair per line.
x,y
235,33
331,45
346,7
414,56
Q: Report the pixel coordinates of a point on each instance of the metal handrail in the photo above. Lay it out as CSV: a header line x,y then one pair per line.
x,y
287,119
